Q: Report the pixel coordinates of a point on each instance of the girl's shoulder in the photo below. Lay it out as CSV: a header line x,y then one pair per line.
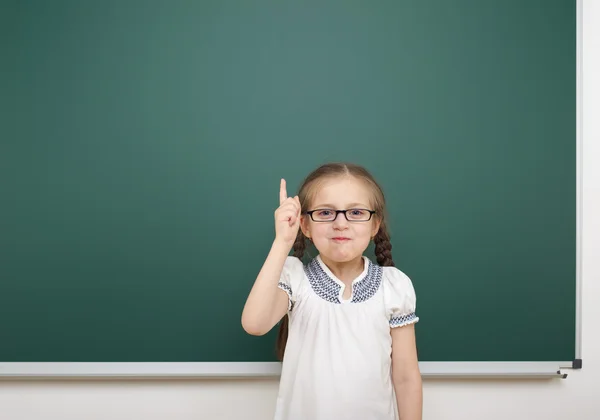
x,y
291,279
293,266
292,273
394,278
399,296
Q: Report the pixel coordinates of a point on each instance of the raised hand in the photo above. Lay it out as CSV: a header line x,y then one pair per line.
x,y
287,216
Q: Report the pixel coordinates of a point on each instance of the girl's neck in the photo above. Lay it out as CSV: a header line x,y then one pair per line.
x,y
345,271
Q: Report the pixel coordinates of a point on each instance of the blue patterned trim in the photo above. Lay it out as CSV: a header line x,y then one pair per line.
x,y
324,286
288,290
328,289
402,320
365,288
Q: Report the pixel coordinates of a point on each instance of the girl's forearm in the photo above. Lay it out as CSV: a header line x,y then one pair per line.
x,y
264,304
409,397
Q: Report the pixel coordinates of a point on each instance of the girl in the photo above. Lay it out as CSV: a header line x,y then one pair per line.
x,y
350,352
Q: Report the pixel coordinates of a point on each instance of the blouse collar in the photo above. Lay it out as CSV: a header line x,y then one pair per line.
x,y
327,286
361,276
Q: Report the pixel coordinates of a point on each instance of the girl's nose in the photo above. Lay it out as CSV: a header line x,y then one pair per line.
x,y
340,222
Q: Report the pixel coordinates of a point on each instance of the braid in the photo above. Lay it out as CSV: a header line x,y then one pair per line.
x,y
282,334
383,247
299,245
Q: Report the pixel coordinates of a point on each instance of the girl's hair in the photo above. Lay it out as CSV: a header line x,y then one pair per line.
x,y
307,192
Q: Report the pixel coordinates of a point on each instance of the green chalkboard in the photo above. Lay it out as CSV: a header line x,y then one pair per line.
x,y
142,143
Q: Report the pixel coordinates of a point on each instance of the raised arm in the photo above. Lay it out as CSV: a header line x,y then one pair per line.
x,y
267,303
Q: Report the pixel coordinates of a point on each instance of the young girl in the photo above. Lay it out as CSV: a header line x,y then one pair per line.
x,y
349,351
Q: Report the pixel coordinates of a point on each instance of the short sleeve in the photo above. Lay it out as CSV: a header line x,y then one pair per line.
x,y
291,276
399,297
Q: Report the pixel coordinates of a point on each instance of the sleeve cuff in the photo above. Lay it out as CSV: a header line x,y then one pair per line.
x,y
402,320
288,290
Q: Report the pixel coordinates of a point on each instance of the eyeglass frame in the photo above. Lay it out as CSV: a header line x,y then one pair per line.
x,y
337,212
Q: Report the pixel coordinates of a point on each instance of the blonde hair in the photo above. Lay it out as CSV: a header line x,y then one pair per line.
x,y
306,194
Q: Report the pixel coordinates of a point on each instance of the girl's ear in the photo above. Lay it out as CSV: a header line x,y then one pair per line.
x,y
376,226
304,226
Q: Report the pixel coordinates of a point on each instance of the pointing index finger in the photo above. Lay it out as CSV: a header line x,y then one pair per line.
x,y
282,192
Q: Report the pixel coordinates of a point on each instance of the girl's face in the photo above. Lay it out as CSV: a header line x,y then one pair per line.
x,y
341,240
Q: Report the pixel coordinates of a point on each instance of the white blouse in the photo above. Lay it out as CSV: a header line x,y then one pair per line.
x,y
337,362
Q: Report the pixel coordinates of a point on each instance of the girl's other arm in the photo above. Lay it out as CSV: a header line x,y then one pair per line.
x,y
405,373
267,303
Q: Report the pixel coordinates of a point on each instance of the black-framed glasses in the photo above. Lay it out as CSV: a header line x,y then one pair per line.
x,y
351,215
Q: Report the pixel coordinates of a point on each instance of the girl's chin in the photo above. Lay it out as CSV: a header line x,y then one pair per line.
x,y
342,256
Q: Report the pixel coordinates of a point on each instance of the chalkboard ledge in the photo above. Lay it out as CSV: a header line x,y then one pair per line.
x,y
225,370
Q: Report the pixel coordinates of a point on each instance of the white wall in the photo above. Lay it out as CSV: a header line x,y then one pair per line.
x,y
447,399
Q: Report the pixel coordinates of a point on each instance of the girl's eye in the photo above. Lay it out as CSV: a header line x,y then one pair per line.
x,y
324,213
357,212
